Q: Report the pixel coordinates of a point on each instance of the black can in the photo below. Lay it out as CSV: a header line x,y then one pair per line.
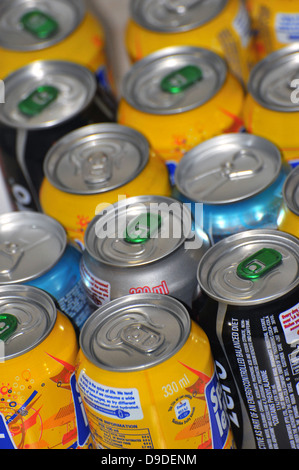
x,y
44,101
251,316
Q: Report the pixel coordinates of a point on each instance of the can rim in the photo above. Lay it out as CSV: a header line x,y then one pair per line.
x,y
36,217
74,4
135,15
222,247
172,51
290,185
105,312
259,71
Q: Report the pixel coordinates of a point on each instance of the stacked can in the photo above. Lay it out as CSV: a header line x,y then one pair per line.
x,y
35,251
272,104
222,26
288,220
147,378
43,101
233,182
251,319
40,405
95,166
144,244
274,23
33,30
179,97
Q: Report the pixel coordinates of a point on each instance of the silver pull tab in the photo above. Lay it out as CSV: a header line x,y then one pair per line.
x,y
142,338
180,6
97,169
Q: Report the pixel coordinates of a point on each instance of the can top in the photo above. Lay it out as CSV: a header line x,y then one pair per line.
x,y
274,82
171,16
251,267
27,316
31,243
228,168
137,231
174,80
96,158
135,332
46,93
30,25
291,191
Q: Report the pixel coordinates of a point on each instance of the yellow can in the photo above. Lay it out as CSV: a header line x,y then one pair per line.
x,y
222,26
179,97
147,378
95,166
49,30
40,406
288,220
271,108
275,24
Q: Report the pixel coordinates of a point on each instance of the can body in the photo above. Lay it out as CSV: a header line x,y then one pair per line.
x,y
174,403
206,108
288,220
137,174
40,403
253,338
224,28
275,24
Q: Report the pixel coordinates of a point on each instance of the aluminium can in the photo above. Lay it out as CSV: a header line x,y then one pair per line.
x,y
144,244
222,26
40,405
95,166
274,23
272,103
251,321
34,250
234,181
178,97
33,30
43,101
288,220
147,378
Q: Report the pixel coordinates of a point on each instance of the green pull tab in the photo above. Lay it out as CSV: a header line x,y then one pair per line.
x,y
39,24
178,81
259,263
142,228
38,100
8,325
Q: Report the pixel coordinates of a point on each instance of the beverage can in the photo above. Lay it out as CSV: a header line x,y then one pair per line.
x,y
289,214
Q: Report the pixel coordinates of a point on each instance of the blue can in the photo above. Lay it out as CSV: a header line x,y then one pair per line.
x,y
34,251
232,183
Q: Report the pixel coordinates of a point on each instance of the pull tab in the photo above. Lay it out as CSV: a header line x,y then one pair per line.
x,y
142,228
8,325
38,100
180,6
39,24
14,253
258,264
181,79
97,169
142,338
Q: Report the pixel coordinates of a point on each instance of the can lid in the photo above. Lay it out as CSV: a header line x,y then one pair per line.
x,y
30,25
274,81
135,332
228,168
137,231
31,243
251,267
46,93
174,80
291,190
96,158
27,316
171,16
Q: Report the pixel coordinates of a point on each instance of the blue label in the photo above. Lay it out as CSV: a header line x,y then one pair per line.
x,y
83,430
6,441
219,420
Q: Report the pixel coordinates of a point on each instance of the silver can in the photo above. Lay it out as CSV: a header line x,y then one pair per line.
x,y
144,244
238,178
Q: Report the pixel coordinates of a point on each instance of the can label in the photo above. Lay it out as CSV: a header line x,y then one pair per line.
x,y
242,26
287,27
75,304
98,290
